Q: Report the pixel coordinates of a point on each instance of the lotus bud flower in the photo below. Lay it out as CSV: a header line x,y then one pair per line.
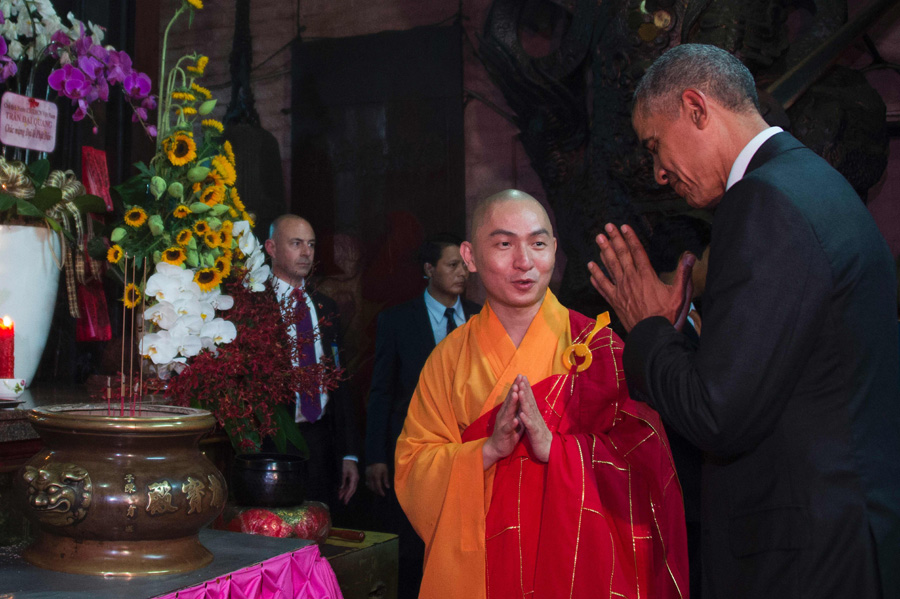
x,y
197,174
176,190
207,260
157,256
220,209
117,235
155,222
193,258
214,223
207,107
192,244
157,186
199,208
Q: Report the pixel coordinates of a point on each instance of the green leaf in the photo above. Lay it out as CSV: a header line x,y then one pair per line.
x,y
90,203
46,198
26,208
143,168
6,201
53,224
38,171
285,425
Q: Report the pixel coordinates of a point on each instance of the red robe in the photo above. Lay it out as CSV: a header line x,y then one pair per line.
x,y
604,516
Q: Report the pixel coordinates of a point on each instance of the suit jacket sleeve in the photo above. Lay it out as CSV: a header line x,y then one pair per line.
x,y
767,294
382,392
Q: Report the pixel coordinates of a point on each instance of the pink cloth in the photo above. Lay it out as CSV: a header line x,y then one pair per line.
x,y
301,574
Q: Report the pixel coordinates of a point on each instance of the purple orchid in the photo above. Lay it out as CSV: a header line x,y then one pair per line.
x,y
8,66
136,85
70,82
118,66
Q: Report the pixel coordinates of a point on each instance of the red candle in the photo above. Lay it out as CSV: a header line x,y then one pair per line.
x,y
7,348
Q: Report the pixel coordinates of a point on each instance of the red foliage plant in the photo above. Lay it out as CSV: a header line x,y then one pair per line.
x,y
244,381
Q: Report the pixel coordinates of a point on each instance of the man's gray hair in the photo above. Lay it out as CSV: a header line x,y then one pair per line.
x,y
709,69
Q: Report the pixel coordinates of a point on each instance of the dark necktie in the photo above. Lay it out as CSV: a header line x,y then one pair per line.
x,y
451,324
310,404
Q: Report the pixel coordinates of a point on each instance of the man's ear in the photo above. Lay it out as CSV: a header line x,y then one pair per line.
x,y
429,270
270,247
696,105
468,256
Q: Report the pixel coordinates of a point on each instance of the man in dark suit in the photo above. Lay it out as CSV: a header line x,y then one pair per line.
x,y
325,419
793,387
406,335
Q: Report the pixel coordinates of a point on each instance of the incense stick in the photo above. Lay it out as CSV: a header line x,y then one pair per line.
x,y
131,352
122,362
141,363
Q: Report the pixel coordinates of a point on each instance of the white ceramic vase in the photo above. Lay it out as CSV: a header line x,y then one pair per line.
x,y
29,277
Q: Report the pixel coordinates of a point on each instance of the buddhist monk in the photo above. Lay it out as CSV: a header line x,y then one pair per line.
x,y
523,464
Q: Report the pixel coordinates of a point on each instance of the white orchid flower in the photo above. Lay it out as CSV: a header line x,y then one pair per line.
x,y
189,324
158,347
217,299
162,314
188,345
207,312
240,228
255,260
163,288
187,306
219,330
255,280
248,243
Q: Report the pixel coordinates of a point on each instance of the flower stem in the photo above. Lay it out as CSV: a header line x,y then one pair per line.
x,y
163,93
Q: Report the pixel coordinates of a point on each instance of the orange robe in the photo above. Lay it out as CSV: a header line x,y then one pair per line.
x,y
447,495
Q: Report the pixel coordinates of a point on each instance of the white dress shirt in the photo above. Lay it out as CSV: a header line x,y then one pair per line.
x,y
437,316
743,160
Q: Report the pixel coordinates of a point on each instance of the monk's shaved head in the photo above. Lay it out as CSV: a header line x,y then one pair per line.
x,y
485,206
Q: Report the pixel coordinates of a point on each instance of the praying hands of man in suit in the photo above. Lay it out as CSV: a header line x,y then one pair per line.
x,y
633,288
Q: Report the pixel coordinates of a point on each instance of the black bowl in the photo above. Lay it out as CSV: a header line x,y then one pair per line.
x,y
268,479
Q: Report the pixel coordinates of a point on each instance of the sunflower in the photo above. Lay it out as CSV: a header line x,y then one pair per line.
x,y
184,237
222,166
229,151
212,195
180,148
201,227
223,238
135,217
181,211
201,91
213,124
226,253
200,67
213,178
198,4
184,96
189,110
174,255
236,199
208,278
223,265
114,254
211,239
132,295
232,213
